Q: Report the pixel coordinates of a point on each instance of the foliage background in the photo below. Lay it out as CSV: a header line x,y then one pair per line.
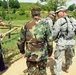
x,y
23,11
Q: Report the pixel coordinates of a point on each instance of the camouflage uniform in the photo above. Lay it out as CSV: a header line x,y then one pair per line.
x,y
34,35
64,31
50,19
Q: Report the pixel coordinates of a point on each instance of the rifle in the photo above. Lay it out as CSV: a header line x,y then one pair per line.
x,y
4,34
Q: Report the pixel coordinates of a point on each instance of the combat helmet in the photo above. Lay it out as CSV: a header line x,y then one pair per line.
x,y
61,8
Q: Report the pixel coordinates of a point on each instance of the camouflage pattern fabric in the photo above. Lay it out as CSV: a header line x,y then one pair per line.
x,y
59,53
49,21
37,37
69,54
36,68
65,43
35,41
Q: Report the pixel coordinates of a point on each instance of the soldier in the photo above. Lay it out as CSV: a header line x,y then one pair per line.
x,y
35,34
63,31
50,18
2,65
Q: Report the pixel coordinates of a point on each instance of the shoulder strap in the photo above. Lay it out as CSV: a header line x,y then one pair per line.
x,y
68,21
67,24
65,21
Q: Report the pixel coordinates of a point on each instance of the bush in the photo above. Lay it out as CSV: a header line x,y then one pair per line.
x,y
12,16
21,12
27,14
3,14
14,11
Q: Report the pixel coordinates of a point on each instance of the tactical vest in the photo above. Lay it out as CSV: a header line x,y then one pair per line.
x,y
67,29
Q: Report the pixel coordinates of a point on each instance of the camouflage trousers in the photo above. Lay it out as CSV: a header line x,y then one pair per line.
x,y
36,68
61,52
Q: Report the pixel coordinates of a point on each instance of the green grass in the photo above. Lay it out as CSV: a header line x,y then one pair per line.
x,y
28,6
16,22
9,49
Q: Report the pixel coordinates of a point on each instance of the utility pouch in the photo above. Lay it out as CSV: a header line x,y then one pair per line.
x,y
57,54
72,53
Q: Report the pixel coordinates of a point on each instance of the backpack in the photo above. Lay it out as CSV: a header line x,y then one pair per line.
x,y
68,31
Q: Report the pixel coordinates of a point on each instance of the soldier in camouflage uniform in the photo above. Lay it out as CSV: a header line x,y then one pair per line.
x,y
36,36
50,18
64,31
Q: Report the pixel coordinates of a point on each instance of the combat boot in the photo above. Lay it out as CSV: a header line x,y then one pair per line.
x,y
65,69
25,71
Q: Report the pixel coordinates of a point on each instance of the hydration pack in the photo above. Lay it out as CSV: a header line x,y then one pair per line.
x,y
67,28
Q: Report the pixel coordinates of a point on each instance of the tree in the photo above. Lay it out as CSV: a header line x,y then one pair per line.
x,y
11,2
14,4
53,4
4,4
3,13
0,2
72,7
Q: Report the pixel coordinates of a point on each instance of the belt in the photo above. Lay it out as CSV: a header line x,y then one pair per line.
x,y
69,38
35,43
